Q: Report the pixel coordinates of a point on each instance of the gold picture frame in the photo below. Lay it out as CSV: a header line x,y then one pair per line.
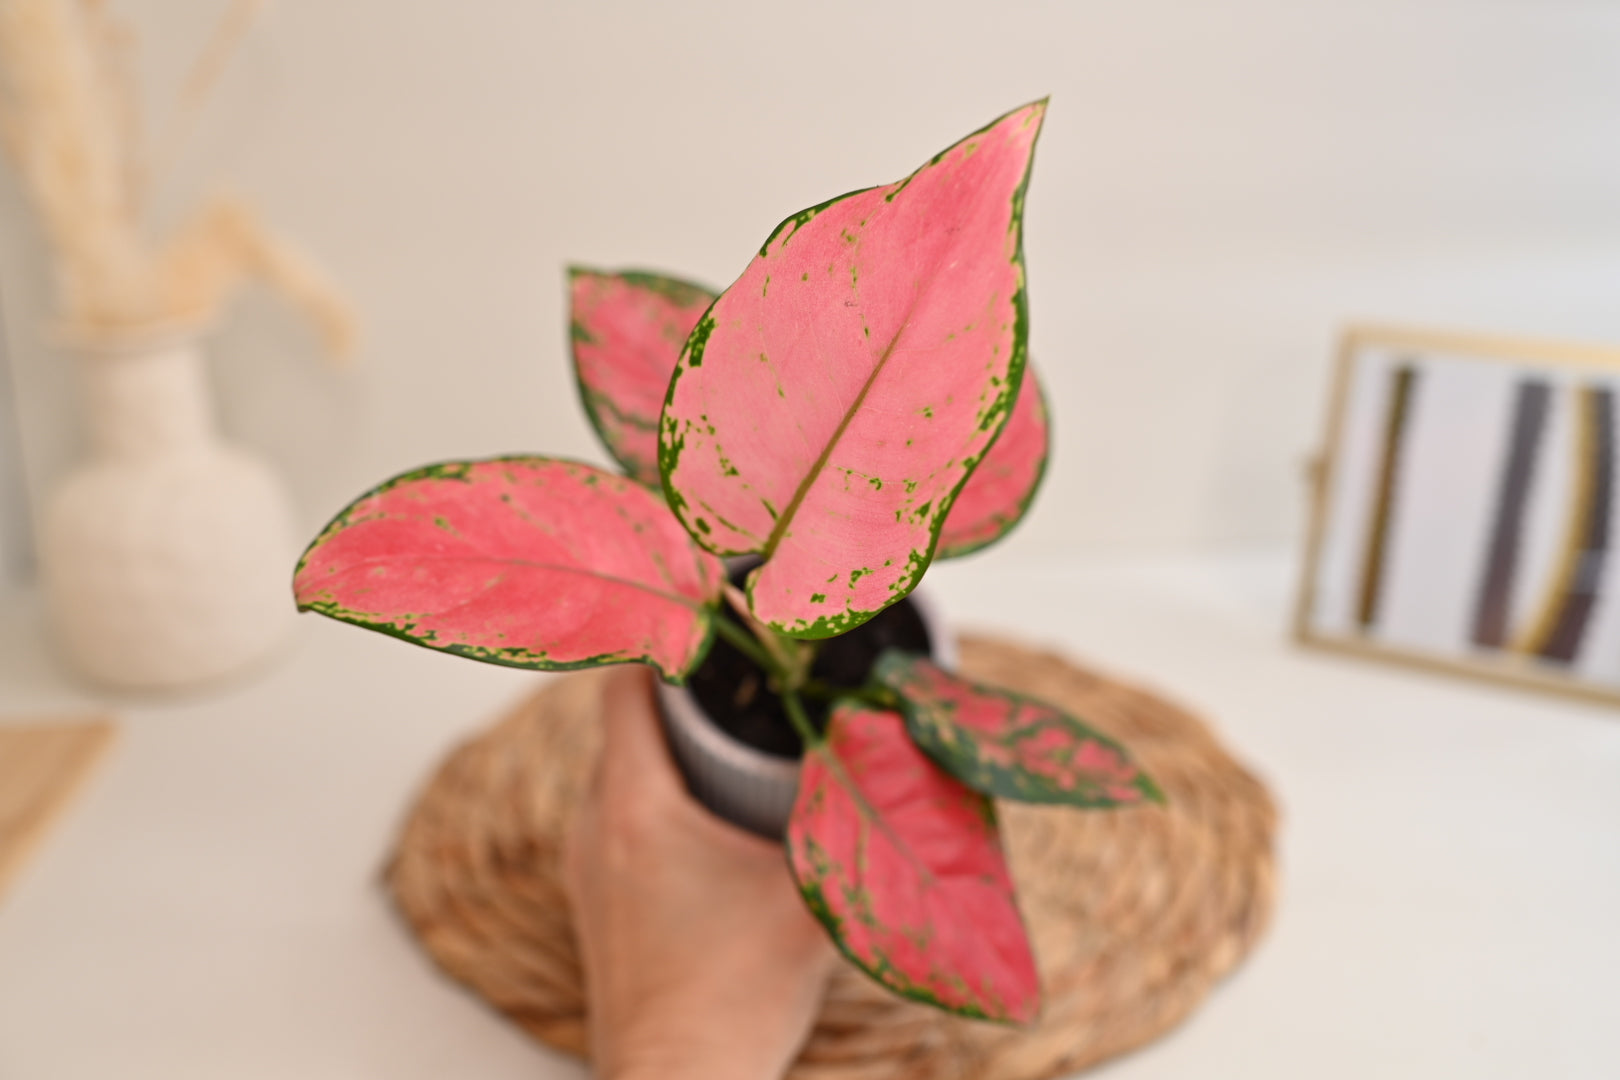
x,y
1357,492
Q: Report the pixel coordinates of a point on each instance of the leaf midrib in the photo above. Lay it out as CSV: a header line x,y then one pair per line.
x,y
792,509
531,564
835,765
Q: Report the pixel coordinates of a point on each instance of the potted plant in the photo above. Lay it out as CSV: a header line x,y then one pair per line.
x,y
854,406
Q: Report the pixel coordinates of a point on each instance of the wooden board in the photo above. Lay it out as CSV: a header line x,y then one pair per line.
x,y
41,767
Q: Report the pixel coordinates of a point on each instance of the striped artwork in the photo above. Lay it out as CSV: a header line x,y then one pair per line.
x,y
1529,419
1466,509
1559,628
1372,560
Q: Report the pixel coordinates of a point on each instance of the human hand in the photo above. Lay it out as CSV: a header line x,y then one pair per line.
x,y
700,958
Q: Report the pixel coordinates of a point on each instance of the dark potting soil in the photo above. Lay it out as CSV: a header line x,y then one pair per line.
x,y
733,690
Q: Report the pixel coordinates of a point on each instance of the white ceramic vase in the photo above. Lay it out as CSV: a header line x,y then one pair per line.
x,y
165,559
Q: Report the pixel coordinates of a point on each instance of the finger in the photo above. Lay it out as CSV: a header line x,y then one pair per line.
x,y
715,831
577,840
635,758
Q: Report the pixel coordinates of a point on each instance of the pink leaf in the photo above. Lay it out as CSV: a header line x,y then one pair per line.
x,y
1002,487
525,561
627,330
828,408
1007,745
904,867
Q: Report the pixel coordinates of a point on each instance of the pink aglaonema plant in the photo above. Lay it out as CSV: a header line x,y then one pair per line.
x,y
854,406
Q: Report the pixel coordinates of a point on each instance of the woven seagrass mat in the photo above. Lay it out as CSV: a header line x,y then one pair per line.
x,y
1134,914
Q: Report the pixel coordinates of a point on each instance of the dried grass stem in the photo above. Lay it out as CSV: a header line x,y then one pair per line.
x,y
71,128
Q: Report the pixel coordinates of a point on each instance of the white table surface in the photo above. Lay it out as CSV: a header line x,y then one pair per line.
x,y
1450,855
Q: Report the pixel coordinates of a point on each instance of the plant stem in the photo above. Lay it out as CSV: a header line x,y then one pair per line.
x,y
783,650
818,690
800,720
876,696
747,645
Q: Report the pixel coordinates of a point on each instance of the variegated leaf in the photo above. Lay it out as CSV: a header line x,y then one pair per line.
x,y
526,561
627,330
904,867
829,407
995,497
1008,745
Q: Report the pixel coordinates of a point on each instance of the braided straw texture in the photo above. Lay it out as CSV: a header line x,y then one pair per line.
x,y
1134,914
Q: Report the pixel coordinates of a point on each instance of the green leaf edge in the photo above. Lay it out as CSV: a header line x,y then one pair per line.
x,y
529,662
692,354
815,900
672,288
1029,498
987,781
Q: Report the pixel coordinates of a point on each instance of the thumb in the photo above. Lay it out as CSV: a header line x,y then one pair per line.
x,y
635,756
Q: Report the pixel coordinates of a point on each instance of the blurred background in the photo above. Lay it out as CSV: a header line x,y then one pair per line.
x,y
1219,187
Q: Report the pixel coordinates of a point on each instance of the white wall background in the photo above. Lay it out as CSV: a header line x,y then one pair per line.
x,y
1219,186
